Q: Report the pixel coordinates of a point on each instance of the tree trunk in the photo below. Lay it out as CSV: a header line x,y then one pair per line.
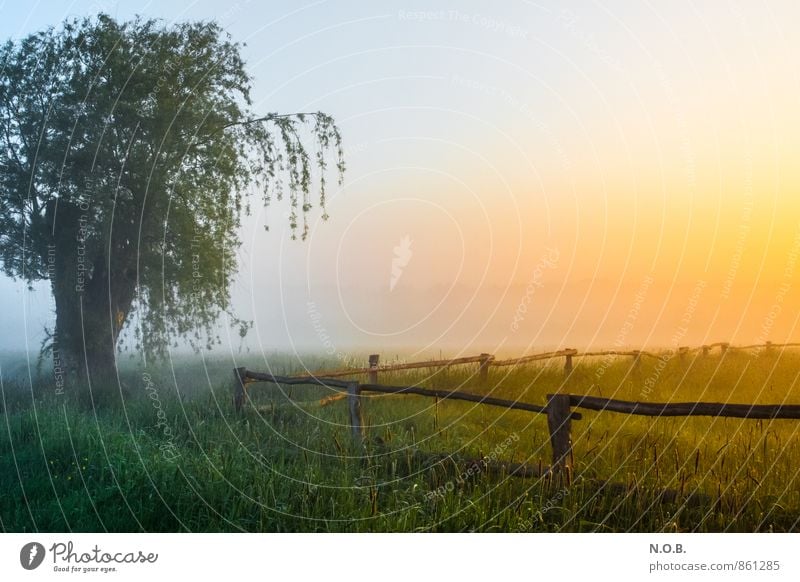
x,y
87,329
91,310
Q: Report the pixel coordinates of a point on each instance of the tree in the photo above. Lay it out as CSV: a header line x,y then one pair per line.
x,y
128,151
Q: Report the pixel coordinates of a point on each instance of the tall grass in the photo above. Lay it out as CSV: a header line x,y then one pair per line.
x,y
199,467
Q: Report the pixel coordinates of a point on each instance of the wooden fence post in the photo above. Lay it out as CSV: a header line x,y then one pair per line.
x,y
559,423
356,419
372,375
682,351
568,363
769,346
705,350
637,359
483,370
239,388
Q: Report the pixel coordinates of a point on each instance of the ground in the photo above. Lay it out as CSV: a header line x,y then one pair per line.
x,y
180,459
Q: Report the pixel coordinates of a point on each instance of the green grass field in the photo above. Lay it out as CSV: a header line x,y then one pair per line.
x,y
197,466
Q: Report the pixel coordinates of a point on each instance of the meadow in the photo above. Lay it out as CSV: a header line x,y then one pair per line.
x,y
174,456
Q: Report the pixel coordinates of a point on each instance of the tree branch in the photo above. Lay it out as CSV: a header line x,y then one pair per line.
x,y
268,117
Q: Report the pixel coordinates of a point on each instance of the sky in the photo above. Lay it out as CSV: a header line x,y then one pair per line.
x,y
521,175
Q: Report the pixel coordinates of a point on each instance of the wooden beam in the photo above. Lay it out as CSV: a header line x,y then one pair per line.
x,y
533,358
356,419
559,424
372,375
418,390
483,371
615,353
336,373
292,380
239,388
791,411
391,368
568,362
456,395
302,405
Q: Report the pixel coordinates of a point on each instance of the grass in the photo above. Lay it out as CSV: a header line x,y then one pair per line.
x,y
196,466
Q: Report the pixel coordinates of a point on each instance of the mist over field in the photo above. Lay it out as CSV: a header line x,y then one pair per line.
x,y
339,267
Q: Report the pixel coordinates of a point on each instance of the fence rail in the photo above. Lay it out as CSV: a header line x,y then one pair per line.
x,y
558,408
785,411
486,361
391,367
245,376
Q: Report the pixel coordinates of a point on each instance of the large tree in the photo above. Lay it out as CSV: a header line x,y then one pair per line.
x,y
127,151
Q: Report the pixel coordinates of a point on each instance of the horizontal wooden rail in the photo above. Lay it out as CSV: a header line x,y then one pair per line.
x,y
337,373
457,395
633,353
293,380
432,364
487,360
391,367
534,357
249,376
767,345
787,411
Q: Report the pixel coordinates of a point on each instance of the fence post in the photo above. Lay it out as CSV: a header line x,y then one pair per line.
x,y
354,404
372,375
682,351
239,388
483,370
568,363
559,423
769,346
705,350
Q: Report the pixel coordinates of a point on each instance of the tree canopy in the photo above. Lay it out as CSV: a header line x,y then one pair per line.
x,y
128,154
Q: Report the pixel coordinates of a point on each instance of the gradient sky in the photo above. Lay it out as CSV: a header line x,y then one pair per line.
x,y
567,174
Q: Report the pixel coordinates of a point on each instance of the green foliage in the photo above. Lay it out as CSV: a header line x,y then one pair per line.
x,y
128,150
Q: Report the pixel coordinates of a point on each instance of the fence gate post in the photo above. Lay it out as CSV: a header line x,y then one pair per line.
x,y
559,423
568,363
372,375
354,405
239,388
483,370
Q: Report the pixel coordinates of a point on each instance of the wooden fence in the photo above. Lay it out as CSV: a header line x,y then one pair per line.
x,y
486,361
558,407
